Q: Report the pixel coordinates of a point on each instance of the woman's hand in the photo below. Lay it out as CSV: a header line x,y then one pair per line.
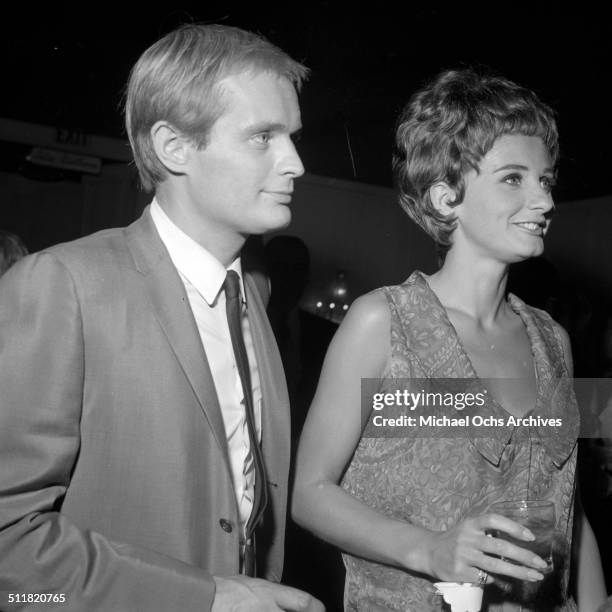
x,y
464,552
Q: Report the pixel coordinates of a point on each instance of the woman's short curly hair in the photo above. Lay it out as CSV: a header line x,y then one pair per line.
x,y
448,127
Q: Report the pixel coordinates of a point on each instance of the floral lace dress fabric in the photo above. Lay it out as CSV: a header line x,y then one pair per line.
x,y
436,483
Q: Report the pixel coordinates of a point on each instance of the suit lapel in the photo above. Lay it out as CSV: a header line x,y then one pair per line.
x,y
275,412
171,308
276,435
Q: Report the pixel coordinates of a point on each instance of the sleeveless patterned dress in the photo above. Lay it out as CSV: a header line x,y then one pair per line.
x,y
436,483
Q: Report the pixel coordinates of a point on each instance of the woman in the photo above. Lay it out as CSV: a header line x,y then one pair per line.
x,y
475,166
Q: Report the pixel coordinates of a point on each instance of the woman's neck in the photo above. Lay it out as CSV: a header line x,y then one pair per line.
x,y
475,288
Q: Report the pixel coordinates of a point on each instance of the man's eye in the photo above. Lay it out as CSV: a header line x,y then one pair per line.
x,y
513,179
262,138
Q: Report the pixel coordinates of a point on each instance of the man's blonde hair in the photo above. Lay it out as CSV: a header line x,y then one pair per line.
x,y
177,78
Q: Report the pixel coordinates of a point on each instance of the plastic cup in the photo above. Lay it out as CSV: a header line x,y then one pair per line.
x,y
461,596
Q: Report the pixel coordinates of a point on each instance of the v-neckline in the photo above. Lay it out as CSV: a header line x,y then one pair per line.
x,y
517,306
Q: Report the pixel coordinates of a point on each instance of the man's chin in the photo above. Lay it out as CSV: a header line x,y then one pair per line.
x,y
275,225
282,220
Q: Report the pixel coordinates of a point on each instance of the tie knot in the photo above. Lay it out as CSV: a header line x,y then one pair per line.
x,y
232,285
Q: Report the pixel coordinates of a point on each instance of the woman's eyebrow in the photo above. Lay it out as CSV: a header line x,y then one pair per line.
x,y
521,167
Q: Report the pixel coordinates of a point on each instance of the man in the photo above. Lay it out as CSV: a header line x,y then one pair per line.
x,y
143,461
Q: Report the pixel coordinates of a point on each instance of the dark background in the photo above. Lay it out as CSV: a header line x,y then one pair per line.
x,y
66,65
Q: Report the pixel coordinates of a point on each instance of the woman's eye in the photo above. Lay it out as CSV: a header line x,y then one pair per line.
x,y
513,179
548,182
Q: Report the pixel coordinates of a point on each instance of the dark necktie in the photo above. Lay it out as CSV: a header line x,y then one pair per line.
x,y
233,308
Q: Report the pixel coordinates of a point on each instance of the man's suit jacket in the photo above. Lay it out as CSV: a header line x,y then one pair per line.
x,y
115,485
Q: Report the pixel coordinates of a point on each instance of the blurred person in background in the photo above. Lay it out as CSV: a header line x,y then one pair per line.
x,y
12,250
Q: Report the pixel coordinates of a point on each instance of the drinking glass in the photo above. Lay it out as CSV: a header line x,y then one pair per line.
x,y
539,517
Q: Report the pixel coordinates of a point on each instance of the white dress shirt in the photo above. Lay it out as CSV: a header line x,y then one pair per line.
x,y
203,276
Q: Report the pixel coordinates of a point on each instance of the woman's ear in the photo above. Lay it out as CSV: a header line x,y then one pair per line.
x,y
443,197
171,147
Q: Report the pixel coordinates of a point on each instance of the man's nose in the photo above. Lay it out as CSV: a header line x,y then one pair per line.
x,y
290,161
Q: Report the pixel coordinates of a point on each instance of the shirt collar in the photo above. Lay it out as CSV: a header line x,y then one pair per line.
x,y
202,269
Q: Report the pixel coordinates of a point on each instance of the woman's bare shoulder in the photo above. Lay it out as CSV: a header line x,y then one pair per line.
x,y
363,337
370,309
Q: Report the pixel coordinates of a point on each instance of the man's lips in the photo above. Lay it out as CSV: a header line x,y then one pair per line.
x,y
281,196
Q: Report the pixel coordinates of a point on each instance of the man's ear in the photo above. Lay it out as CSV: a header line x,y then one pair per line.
x,y
442,197
171,147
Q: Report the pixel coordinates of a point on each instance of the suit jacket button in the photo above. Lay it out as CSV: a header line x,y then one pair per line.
x,y
226,525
